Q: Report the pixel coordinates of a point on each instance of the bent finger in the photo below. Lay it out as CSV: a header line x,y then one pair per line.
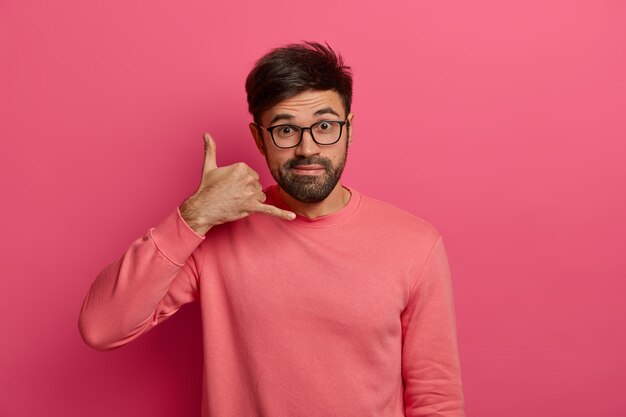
x,y
254,174
260,196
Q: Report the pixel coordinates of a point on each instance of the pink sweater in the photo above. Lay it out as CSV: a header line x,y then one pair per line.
x,y
349,314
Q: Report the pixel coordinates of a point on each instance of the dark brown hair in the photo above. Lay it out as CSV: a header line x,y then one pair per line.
x,y
286,71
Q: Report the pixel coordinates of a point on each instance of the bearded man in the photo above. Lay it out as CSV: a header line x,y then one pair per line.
x,y
316,300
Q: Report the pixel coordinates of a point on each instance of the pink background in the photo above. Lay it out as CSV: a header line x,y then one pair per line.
x,y
502,123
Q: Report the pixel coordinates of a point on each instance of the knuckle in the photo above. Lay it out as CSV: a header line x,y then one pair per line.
x,y
249,195
253,206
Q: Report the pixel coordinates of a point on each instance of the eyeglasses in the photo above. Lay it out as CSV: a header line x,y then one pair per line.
x,y
324,132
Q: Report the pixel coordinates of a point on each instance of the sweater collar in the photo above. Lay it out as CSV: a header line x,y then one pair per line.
x,y
330,219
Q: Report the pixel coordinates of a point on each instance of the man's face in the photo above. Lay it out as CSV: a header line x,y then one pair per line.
x,y
308,172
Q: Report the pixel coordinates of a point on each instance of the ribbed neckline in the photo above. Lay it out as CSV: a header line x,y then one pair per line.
x,y
327,220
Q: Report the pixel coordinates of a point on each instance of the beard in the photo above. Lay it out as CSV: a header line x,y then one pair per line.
x,y
309,188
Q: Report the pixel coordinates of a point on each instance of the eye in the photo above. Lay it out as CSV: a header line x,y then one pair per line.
x,y
326,127
285,131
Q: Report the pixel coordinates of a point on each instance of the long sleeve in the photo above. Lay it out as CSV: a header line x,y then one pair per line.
x,y
149,283
430,360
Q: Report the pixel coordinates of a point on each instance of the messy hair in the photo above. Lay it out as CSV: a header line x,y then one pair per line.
x,y
289,70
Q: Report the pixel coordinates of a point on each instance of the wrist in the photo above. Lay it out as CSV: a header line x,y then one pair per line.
x,y
189,213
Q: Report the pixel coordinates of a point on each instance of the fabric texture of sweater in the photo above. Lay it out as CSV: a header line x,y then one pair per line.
x,y
349,314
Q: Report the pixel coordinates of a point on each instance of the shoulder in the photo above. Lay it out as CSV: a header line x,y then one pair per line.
x,y
395,219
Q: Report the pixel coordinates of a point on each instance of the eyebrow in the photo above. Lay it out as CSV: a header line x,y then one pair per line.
x,y
281,116
285,116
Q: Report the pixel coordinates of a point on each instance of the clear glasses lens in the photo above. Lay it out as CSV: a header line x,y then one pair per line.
x,y
287,133
326,132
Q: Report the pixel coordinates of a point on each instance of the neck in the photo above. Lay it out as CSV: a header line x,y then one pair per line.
x,y
337,199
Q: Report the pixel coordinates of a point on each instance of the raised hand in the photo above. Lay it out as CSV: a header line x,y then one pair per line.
x,y
225,194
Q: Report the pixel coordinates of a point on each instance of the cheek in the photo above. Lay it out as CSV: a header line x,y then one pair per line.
x,y
337,156
275,160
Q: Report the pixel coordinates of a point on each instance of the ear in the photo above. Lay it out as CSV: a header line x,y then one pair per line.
x,y
258,137
350,127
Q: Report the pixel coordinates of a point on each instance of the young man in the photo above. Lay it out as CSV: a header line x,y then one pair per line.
x,y
316,300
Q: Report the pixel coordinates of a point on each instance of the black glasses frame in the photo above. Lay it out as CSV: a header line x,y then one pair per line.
x,y
302,129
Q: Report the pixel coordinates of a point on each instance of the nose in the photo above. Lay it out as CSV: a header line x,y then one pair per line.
x,y
307,145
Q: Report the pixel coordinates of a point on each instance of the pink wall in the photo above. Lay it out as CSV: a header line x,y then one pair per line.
x,y
503,123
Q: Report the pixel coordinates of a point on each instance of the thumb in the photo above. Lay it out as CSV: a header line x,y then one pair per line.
x,y
210,161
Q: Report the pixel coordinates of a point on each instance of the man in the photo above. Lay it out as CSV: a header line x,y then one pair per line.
x,y
316,300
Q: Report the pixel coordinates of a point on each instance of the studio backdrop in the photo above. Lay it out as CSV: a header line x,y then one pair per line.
x,y
501,123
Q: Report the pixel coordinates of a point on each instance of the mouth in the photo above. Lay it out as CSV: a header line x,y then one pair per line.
x,y
312,169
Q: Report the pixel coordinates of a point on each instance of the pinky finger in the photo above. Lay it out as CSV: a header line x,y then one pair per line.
x,y
275,211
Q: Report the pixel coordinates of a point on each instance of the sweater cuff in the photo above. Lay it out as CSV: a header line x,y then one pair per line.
x,y
175,239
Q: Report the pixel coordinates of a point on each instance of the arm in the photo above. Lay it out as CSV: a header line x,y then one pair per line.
x,y
159,273
149,283
430,360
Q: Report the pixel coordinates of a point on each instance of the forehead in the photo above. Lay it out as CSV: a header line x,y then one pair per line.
x,y
304,105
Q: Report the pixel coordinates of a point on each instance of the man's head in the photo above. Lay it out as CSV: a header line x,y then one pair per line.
x,y
302,85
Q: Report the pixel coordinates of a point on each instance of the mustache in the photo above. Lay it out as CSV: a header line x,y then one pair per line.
x,y
310,160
